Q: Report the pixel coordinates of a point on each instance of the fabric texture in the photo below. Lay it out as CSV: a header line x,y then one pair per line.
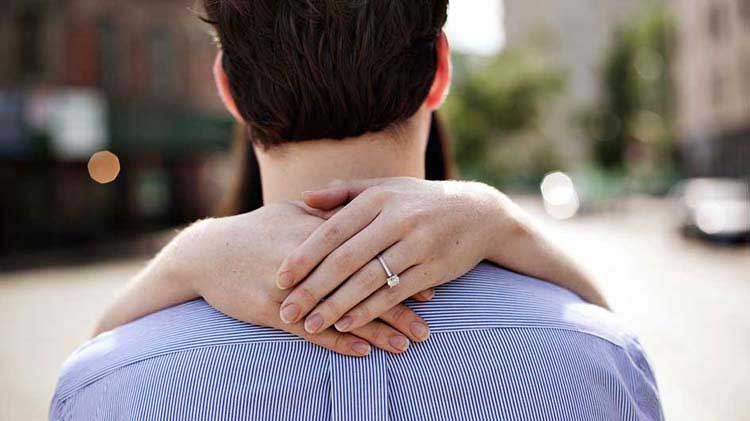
x,y
503,347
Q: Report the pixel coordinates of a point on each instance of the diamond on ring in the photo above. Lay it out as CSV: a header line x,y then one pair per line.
x,y
393,280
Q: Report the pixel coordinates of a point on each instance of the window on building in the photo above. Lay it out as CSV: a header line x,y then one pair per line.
x,y
717,89
745,79
115,58
744,8
82,54
716,21
162,72
31,26
110,54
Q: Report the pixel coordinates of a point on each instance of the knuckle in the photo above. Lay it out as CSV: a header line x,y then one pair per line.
x,y
270,302
400,314
331,233
342,260
368,279
363,313
339,344
379,333
419,215
297,260
425,237
362,213
330,309
378,194
306,296
406,225
410,221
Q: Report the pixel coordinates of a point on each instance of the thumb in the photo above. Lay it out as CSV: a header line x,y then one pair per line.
x,y
339,194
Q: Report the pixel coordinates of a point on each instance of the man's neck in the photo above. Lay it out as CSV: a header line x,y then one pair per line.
x,y
290,169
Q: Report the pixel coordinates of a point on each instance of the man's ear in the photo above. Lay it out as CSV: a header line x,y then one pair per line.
x,y
222,85
442,83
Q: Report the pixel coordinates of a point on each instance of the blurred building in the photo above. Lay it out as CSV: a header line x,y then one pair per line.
x,y
577,35
711,71
712,76
80,76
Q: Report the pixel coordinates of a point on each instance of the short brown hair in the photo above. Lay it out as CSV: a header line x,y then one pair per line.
x,y
314,69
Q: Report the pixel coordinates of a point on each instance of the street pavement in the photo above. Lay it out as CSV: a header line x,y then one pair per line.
x,y
689,302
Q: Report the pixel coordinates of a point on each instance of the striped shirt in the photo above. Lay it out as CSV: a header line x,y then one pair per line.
x,y
503,347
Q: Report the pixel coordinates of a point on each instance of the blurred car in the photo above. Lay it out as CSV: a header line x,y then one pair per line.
x,y
717,209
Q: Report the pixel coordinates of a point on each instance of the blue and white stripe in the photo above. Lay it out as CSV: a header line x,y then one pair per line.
x,y
503,346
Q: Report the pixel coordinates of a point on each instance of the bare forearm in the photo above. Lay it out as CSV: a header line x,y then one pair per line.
x,y
161,284
526,250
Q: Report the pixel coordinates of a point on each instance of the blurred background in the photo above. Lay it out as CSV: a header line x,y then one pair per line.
x,y
623,125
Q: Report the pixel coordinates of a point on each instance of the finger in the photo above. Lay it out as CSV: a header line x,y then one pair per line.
x,y
342,343
340,194
424,296
327,199
370,278
322,214
383,336
415,279
325,239
406,321
358,343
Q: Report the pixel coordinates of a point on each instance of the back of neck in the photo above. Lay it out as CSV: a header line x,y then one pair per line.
x,y
290,169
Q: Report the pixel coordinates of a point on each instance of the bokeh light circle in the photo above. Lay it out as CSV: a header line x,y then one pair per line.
x,y
560,196
104,167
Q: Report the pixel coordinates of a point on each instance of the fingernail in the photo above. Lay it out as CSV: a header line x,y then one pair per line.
x,y
361,348
399,342
344,323
284,280
313,323
429,294
420,330
290,313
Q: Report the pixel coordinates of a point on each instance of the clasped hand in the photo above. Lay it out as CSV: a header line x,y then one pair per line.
x,y
423,230
427,232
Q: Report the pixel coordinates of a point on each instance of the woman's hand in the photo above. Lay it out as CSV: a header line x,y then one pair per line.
x,y
232,263
428,233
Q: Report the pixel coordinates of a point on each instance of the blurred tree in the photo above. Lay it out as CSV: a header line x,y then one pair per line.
x,y
493,110
632,130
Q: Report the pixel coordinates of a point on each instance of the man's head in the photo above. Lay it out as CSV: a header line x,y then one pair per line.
x,y
298,70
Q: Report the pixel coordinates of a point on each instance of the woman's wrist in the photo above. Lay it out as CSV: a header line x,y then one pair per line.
x,y
497,218
511,227
516,243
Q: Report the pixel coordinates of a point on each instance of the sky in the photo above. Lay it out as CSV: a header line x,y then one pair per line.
x,y
476,26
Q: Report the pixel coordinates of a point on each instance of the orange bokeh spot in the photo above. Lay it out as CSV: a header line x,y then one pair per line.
x,y
104,167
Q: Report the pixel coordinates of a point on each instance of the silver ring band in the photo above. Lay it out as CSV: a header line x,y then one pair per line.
x,y
392,279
